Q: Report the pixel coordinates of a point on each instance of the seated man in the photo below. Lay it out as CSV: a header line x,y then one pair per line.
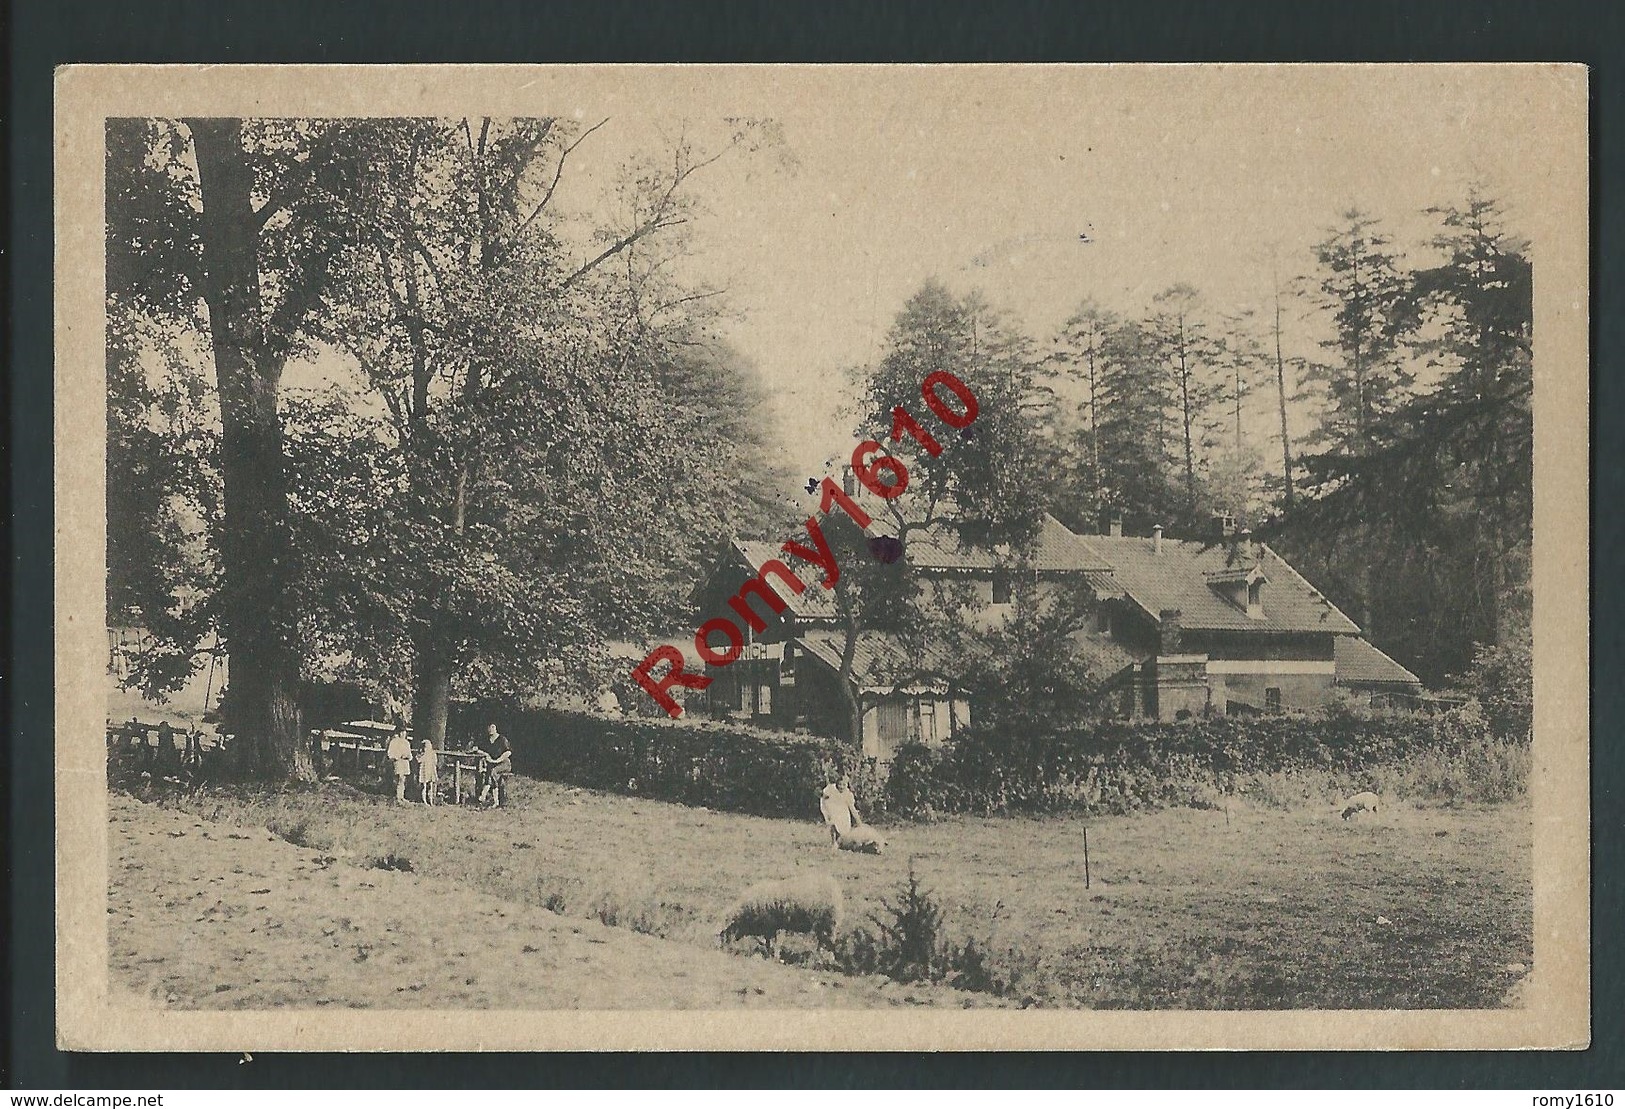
x,y
498,767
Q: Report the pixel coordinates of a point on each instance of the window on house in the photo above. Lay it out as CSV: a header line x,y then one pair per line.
x,y
1001,587
893,724
1272,699
764,700
925,722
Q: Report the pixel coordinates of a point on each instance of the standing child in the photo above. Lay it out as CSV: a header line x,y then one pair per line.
x,y
399,753
429,773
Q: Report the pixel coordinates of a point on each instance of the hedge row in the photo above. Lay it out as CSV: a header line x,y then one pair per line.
x,y
1105,766
727,766
1120,766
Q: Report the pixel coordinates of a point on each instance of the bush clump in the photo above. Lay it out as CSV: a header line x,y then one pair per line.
x,y
1116,766
911,942
721,765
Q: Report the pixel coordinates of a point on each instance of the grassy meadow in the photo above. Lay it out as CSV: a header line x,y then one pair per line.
x,y
1185,908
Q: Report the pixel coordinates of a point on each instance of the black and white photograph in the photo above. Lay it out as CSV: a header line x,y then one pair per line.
x,y
855,557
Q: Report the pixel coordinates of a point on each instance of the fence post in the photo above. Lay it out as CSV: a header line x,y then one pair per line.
x,y
1086,856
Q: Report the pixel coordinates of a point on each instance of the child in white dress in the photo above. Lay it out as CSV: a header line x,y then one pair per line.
x,y
429,773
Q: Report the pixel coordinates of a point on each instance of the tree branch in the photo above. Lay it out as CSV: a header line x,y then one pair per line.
x,y
558,173
660,216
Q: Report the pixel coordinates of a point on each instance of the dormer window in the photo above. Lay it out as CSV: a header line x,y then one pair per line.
x,y
1243,588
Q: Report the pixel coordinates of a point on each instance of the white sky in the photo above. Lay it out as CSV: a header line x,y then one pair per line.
x,y
983,178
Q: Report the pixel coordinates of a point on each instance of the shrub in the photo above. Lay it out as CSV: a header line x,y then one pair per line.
x,y
985,968
909,947
722,765
1119,766
1501,678
914,785
910,942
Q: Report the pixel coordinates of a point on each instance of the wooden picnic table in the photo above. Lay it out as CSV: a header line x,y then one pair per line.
x,y
333,740
460,763
471,761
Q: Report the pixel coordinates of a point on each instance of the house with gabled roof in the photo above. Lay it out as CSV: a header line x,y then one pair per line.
x,y
1225,624
788,672
1180,627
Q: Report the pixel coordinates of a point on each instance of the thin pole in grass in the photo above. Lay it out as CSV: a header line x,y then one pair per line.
x,y
1086,856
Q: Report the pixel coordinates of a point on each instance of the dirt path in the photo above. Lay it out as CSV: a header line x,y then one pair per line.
x,y
208,916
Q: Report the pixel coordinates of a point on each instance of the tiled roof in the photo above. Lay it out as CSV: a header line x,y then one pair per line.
x,y
939,548
1177,579
1104,586
881,661
814,603
1104,655
936,548
1360,663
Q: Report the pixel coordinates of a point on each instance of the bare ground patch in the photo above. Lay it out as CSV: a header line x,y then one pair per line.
x,y
205,915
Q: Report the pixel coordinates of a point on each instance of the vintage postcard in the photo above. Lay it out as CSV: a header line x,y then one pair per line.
x,y
795,557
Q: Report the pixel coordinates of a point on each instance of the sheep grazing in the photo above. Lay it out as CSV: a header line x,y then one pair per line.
x,y
1360,802
810,904
861,837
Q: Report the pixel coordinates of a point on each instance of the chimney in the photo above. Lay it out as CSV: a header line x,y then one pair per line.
x,y
1168,627
1244,542
1156,539
1113,519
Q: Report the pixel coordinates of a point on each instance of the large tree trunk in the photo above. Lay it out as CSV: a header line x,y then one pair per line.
x,y
431,704
258,614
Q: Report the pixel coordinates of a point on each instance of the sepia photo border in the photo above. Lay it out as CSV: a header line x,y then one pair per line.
x,y
1550,102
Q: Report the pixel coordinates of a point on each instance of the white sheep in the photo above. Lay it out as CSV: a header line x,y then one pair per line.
x,y
839,809
861,837
1359,802
809,903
